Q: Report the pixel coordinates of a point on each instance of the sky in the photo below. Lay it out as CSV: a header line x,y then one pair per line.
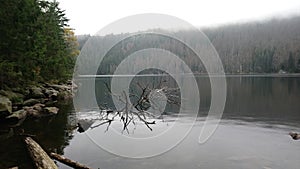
x,y
89,16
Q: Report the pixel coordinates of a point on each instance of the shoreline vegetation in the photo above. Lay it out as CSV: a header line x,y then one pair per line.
x,y
38,51
37,46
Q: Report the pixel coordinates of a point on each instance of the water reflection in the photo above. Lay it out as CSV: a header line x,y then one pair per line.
x,y
264,99
236,144
259,114
53,134
251,98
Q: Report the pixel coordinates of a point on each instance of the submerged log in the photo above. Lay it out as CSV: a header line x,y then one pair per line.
x,y
38,155
68,162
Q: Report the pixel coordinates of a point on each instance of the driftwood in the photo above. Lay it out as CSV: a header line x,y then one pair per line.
x,y
42,161
135,106
38,155
68,162
13,168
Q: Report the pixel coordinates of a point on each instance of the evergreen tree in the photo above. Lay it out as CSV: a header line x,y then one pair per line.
x,y
291,63
33,44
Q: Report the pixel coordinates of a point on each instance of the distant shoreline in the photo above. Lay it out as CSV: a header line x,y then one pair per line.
x,y
199,75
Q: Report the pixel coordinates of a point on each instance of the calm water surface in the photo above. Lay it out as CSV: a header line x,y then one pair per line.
x,y
253,133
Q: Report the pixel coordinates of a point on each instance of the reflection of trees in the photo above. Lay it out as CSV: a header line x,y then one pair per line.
x,y
52,133
263,98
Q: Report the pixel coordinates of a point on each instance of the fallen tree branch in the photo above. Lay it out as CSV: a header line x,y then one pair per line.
x,y
135,106
68,162
40,158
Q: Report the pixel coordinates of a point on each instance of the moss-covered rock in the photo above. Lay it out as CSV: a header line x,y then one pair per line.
x,y
14,97
36,92
50,110
17,116
5,107
31,102
64,95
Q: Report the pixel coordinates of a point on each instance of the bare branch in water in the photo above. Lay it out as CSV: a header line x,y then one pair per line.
x,y
138,110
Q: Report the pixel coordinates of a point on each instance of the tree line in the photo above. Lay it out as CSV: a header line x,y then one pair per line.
x,y
259,47
36,44
269,46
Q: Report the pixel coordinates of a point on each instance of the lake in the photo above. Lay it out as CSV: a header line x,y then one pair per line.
x,y
259,113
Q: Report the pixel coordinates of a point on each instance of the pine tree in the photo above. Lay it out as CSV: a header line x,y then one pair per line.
x,y
34,46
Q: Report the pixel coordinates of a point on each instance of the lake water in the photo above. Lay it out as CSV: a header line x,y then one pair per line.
x,y
259,113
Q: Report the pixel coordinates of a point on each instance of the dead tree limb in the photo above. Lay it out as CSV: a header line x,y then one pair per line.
x,y
40,158
68,162
138,110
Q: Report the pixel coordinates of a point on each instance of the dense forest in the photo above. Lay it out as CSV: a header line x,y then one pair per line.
x,y
260,47
269,46
36,44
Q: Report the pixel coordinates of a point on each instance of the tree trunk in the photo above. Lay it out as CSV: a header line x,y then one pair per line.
x,y
38,155
68,162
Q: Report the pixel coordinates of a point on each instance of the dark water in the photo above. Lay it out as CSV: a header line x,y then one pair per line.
x,y
253,133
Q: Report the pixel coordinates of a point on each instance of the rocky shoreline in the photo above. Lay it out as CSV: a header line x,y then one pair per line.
x,y
34,101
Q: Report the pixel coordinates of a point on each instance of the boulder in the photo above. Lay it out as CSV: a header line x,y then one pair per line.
x,y
50,103
17,116
36,92
72,84
36,110
14,97
50,110
51,93
32,112
39,107
61,87
30,102
39,110
64,95
5,106
295,136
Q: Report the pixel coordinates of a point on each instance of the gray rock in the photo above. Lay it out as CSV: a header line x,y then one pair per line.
x,y
65,95
13,96
51,110
39,110
50,103
17,115
5,106
36,92
51,93
36,110
84,125
32,112
60,87
39,107
30,102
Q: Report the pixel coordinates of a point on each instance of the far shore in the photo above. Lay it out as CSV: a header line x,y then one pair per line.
x,y
198,75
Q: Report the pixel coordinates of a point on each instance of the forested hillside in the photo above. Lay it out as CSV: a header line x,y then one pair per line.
x,y
36,44
260,47
257,47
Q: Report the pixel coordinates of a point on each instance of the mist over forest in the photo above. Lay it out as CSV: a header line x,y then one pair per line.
x,y
270,46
